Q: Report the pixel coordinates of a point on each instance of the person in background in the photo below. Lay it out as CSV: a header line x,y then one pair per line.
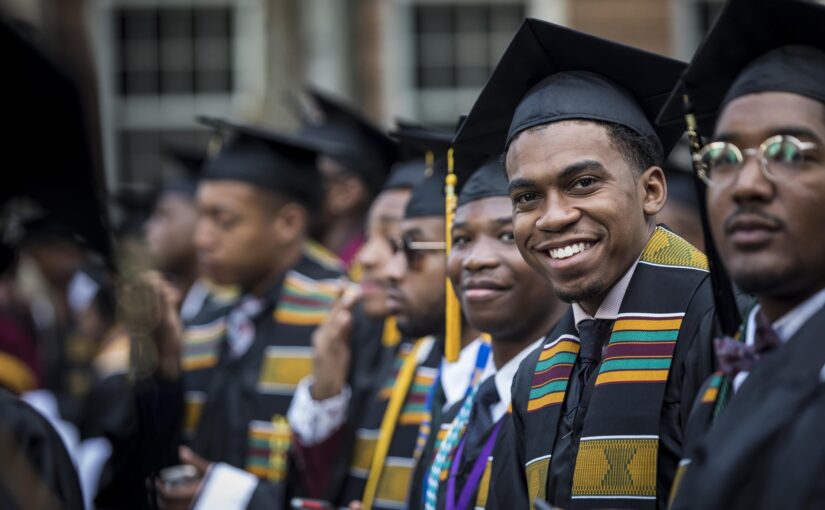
x,y
681,211
37,471
353,167
170,237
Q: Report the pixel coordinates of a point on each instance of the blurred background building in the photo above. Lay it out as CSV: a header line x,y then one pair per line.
x,y
148,67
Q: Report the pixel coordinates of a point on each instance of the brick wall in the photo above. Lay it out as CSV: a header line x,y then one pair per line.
x,y
641,23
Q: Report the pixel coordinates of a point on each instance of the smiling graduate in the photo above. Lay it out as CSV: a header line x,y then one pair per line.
x,y
599,409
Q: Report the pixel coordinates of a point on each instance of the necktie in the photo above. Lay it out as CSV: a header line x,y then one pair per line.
x,y
240,327
481,417
593,333
735,356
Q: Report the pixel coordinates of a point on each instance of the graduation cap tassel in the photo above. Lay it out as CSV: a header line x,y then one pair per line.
x,y
723,296
429,161
452,340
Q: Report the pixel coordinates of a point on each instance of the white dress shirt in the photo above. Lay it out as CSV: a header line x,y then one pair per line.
x,y
785,327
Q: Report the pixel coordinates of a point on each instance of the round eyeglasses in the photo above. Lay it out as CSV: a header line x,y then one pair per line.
x,y
779,157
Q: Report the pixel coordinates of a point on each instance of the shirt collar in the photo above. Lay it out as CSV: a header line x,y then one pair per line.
x,y
787,325
455,377
504,375
609,309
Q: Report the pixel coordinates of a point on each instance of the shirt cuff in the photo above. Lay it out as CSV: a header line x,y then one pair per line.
x,y
314,421
225,488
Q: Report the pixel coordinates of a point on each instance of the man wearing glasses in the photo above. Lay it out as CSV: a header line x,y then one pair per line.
x,y
759,82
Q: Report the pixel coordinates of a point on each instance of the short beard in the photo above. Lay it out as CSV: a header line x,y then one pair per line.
x,y
764,282
592,290
417,327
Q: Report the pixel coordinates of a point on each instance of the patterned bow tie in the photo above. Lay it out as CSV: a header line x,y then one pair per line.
x,y
734,356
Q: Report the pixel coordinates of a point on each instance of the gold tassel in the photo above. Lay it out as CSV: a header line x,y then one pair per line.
x,y
429,161
391,336
452,339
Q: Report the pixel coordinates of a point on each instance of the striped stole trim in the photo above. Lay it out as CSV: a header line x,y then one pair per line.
x,y
712,389
304,301
640,348
552,373
267,447
415,410
323,257
201,345
283,368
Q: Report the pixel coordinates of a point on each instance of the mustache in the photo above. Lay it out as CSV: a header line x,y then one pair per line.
x,y
754,211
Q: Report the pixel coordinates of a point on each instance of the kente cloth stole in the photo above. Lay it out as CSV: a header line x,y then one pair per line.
x,y
298,303
403,382
714,395
617,455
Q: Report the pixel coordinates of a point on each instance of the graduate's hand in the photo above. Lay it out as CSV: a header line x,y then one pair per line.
x,y
331,346
356,505
168,332
182,496
187,456
178,497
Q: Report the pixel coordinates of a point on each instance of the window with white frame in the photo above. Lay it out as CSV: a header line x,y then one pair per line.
x,y
456,46
183,50
162,63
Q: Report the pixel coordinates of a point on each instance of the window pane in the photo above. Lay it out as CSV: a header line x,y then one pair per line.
x,y
436,50
212,22
213,82
472,50
434,19
474,76
434,77
139,24
472,18
176,23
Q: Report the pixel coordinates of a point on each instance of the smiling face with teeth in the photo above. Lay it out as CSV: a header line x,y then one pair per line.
x,y
582,212
492,279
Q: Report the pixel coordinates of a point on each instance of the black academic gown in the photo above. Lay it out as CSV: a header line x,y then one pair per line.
x,y
330,460
36,470
228,410
631,434
400,462
236,406
352,465
765,448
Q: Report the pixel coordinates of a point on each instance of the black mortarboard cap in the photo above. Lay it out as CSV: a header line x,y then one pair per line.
x,y
189,162
427,198
754,46
551,73
422,139
488,181
406,174
47,150
134,204
267,159
357,144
